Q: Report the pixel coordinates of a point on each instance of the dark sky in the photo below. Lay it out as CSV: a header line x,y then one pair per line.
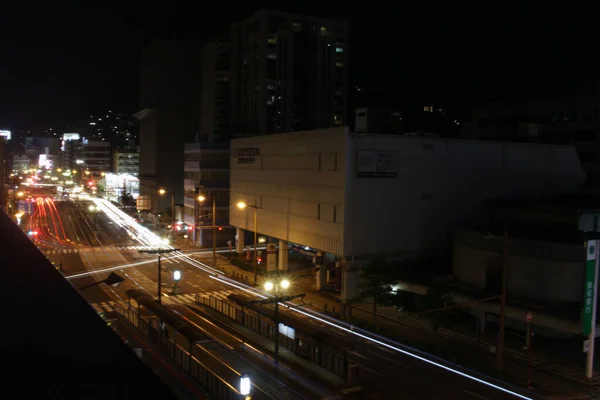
x,y
65,62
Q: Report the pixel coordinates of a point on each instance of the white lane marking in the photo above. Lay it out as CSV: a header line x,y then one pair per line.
x,y
389,359
475,394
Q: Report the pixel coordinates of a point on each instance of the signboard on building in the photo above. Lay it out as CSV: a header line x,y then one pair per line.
x,y
247,156
271,257
590,287
144,203
376,164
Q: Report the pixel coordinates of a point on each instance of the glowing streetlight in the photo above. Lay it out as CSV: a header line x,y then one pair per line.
x,y
92,208
269,286
285,284
177,275
242,205
20,194
202,199
162,192
245,385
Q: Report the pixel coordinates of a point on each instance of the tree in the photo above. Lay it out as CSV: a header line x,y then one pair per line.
x,y
376,283
127,200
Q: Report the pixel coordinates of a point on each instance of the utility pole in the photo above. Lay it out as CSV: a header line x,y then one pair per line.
x,y
500,349
214,235
159,252
255,264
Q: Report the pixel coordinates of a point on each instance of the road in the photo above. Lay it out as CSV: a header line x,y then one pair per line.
x,y
386,370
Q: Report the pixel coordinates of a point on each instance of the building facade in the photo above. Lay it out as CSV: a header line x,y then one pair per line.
x,y
96,156
356,196
127,162
168,117
215,91
289,72
207,175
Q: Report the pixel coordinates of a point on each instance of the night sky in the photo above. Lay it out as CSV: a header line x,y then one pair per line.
x,y
64,63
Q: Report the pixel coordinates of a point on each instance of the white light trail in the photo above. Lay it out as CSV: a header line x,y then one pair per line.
x,y
146,237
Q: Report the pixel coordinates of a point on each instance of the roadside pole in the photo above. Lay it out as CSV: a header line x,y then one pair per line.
x,y
590,300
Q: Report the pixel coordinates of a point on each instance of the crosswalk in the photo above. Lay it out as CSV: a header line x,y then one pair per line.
x,y
169,300
61,251
134,248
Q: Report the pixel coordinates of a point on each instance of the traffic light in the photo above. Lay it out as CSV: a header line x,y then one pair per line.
x,y
220,228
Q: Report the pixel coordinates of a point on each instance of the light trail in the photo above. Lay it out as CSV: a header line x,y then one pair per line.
x,y
145,236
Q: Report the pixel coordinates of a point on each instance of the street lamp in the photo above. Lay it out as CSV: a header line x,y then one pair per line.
x,y
277,287
160,252
202,199
242,205
162,192
176,278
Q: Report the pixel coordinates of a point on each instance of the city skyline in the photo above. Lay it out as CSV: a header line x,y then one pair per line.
x,y
56,69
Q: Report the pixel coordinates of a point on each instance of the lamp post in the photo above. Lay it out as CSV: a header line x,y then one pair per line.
x,y
162,192
92,209
242,205
176,278
277,287
159,252
202,199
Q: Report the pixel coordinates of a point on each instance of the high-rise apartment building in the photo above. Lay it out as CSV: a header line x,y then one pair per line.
x,y
289,72
215,91
284,72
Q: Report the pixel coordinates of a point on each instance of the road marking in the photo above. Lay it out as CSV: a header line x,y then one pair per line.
x,y
390,360
475,394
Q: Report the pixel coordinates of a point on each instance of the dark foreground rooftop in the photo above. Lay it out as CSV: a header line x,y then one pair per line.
x,y
53,345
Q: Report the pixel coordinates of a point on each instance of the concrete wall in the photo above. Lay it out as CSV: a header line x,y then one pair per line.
x,y
297,183
538,270
438,185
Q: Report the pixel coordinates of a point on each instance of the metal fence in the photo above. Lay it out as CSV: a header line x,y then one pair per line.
x,y
303,345
198,371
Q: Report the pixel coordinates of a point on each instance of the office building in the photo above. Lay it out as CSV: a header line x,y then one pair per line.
x,y
168,117
207,174
127,162
288,72
96,156
355,196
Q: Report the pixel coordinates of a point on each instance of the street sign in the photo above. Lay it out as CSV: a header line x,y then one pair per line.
x,y
586,345
138,352
588,295
529,316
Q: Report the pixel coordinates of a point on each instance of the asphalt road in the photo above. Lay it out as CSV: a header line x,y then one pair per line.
x,y
384,372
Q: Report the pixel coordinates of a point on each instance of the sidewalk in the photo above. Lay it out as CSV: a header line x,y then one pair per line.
x,y
548,378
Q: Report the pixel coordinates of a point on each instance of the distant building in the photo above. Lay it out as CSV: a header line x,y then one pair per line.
x,y
96,156
215,94
168,117
567,121
42,150
378,120
20,162
126,163
277,72
354,196
207,174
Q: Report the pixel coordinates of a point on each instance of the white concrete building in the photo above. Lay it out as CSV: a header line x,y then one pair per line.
x,y
360,195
